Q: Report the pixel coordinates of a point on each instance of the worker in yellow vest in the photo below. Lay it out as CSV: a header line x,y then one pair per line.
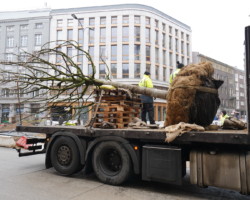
x,y
173,75
223,116
147,101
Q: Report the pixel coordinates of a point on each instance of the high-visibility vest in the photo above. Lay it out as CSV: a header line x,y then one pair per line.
x,y
222,119
173,75
146,82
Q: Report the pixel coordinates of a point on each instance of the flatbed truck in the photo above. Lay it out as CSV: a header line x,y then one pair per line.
x,y
217,158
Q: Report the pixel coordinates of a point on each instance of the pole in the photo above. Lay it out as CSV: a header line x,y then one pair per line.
x,y
247,66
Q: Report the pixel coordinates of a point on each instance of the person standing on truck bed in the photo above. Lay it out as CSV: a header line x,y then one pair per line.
x,y
223,117
147,101
173,75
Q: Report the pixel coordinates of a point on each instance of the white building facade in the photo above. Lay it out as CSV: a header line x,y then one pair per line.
x,y
129,38
20,32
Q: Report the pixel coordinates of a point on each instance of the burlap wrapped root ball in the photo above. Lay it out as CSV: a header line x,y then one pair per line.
x,y
182,98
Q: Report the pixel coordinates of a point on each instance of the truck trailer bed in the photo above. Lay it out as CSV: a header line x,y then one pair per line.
x,y
239,137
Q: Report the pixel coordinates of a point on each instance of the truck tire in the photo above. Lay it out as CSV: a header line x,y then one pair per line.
x,y
111,163
65,157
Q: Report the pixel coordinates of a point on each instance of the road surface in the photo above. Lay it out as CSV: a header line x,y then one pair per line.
x,y
26,178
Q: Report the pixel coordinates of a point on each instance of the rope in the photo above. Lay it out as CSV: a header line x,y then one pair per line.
x,y
198,88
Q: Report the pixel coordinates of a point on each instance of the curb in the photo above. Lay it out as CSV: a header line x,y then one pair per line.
x,y
7,141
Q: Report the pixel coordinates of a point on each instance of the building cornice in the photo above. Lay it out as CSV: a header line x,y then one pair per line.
x,y
119,7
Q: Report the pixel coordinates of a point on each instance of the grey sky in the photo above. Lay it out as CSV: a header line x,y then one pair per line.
x,y
217,25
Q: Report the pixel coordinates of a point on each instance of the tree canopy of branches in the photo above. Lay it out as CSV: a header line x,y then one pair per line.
x,y
57,77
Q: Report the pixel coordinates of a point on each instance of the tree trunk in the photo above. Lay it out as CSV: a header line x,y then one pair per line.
x,y
136,89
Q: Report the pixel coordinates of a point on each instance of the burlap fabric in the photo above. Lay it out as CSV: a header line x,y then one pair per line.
x,y
193,96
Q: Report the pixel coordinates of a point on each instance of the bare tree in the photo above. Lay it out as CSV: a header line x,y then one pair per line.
x,y
55,76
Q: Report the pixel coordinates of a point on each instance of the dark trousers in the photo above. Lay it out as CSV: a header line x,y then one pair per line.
x,y
148,108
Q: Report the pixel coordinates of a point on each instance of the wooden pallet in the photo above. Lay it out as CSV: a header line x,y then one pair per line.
x,y
117,108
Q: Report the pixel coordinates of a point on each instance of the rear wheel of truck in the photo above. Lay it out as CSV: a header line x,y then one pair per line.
x,y
65,156
111,163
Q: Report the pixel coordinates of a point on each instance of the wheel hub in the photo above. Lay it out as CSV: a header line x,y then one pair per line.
x,y
64,155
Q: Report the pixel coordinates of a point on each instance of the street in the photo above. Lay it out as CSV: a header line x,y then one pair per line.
x,y
26,178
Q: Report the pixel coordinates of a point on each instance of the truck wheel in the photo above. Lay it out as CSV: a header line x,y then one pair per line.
x,y
111,163
65,157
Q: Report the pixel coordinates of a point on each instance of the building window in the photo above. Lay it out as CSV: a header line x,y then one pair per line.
x,y
147,53
147,35
170,29
176,32
125,52
10,42
156,55
187,38
102,53
59,36
23,27
164,54
125,19
23,57
163,27
114,70
10,28
59,23
113,53
182,47
113,34
137,33
147,21
163,40
137,52
156,24
91,21
58,56
137,70
80,22
9,57
79,56
34,108
38,25
171,59
5,92
24,41
103,21
182,35
156,37
170,43
125,34
102,72
188,51
91,36
90,69
38,39
164,74
148,66
35,92
81,36
70,22
176,45
69,51
170,71
102,35
125,70
69,34
91,52
137,20
113,20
